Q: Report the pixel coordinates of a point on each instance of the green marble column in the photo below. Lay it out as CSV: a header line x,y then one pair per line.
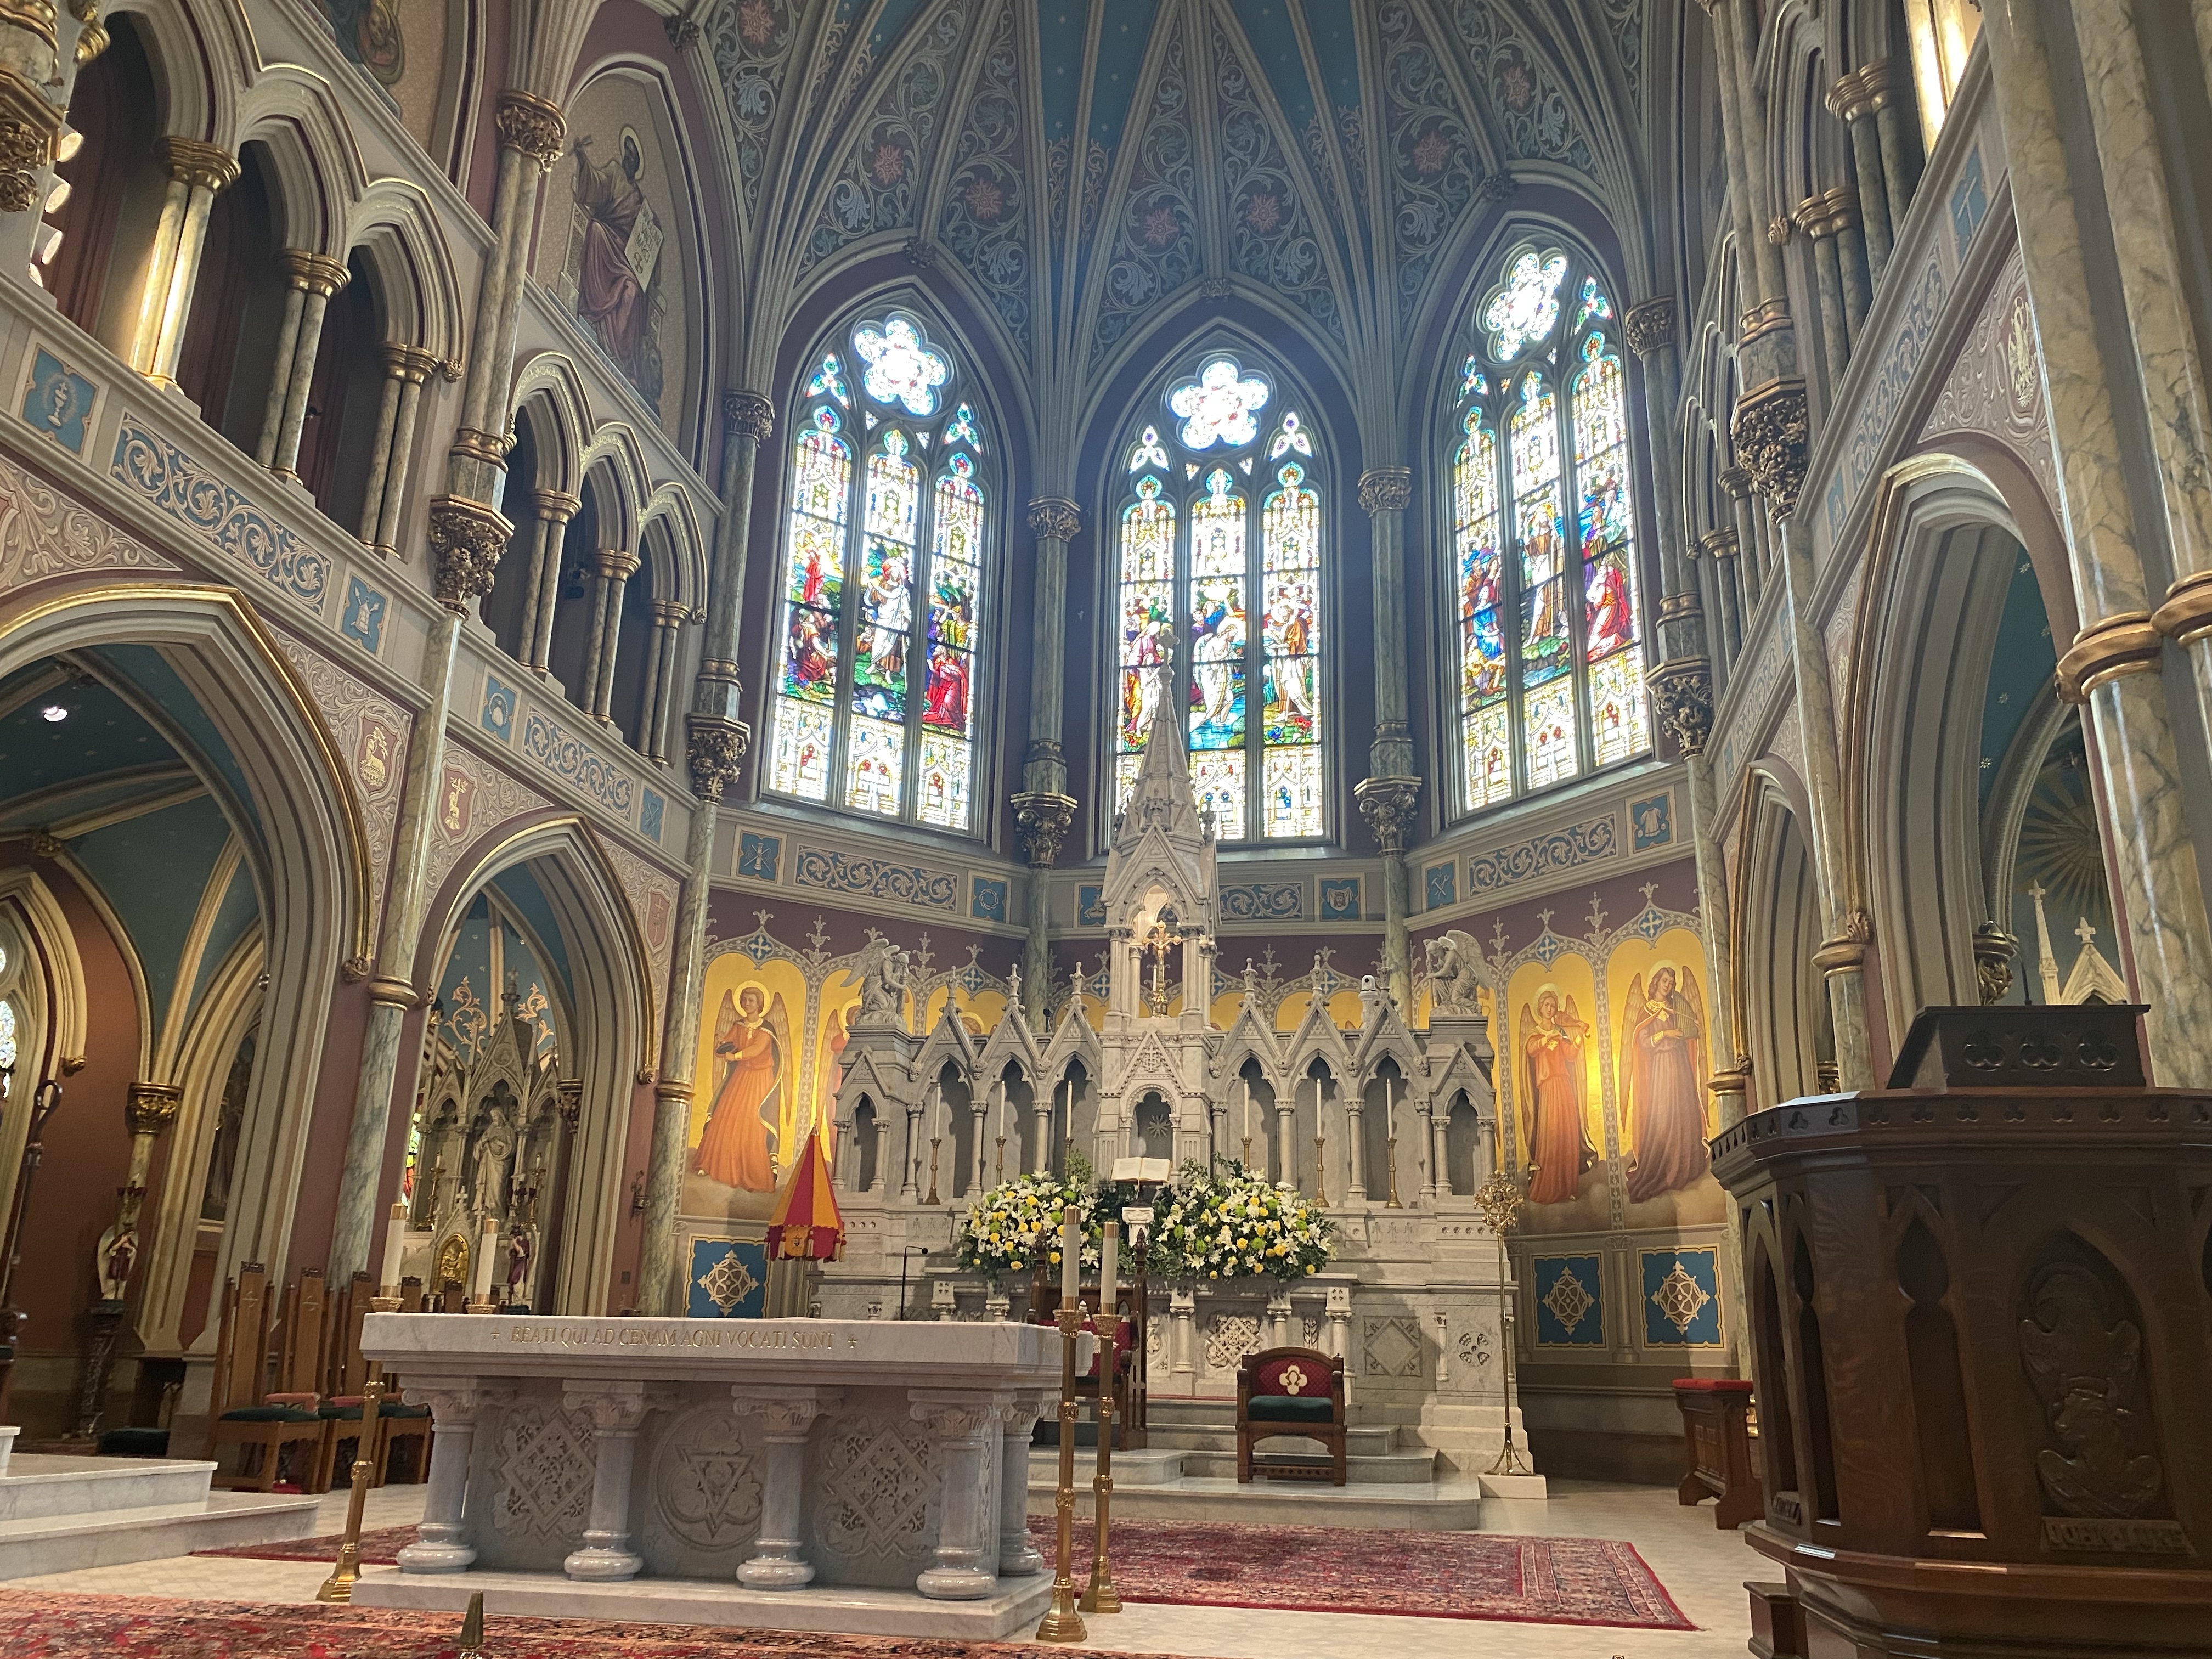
x,y
1043,809
1390,796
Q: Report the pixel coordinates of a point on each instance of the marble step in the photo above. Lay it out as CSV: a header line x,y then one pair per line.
x,y
39,1485
1359,1442
1397,1468
1150,1467
42,1544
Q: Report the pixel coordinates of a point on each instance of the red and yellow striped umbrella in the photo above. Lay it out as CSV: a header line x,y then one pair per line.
x,y
806,1224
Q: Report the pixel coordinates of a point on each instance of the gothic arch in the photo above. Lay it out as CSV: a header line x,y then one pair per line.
x,y
403,243
1781,1004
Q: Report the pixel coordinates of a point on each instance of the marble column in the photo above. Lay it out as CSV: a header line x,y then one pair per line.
x,y
1355,1167
2155,276
1650,331
1390,796
1432,1178
407,369
1743,208
441,1542
1043,809
1820,230
1851,103
1889,102
616,1410
311,279
1739,34
1838,211
392,992
1749,547
1286,1145
717,740
668,616
1018,1420
961,1425
979,1109
786,1416
554,509
197,174
2113,665
910,1168
1728,566
1046,1102
615,566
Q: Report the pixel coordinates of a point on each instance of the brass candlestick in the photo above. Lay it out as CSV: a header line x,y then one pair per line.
x,y
1320,1172
1061,1622
1391,1126
345,1571
1247,1153
1391,1202
999,1171
935,1141
1102,1596
1500,1202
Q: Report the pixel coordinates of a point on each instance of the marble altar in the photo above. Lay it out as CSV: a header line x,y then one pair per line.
x,y
789,1463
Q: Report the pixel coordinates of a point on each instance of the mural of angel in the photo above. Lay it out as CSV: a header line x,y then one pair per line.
x,y
751,1037
1661,1088
1559,1148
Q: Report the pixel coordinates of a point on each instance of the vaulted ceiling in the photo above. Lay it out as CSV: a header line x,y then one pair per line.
x,y
1079,164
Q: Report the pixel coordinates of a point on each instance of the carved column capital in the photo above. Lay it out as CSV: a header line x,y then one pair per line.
x,y
1772,432
151,1108
191,162
1042,820
2125,642
613,1407
1684,692
749,414
1767,317
467,539
1388,804
616,564
718,748
1737,483
669,613
1722,544
1848,99
1386,490
531,125
1650,326
2185,617
555,506
952,1417
1055,519
785,1412
317,273
1994,950
408,362
1846,952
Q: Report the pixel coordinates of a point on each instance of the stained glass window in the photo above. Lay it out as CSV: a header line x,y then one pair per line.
x,y
1218,599
7,1036
875,704
1543,529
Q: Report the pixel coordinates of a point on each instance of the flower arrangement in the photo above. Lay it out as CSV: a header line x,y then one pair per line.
x,y
1014,1227
1227,1223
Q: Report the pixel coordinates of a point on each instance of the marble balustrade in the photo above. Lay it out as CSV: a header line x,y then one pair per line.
x,y
777,1453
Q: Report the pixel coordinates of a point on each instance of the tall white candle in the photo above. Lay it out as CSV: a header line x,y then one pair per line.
x,y
1005,1113
1071,1258
484,1259
1244,1085
395,1241
1108,1279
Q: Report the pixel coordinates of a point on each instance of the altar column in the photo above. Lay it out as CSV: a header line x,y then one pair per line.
x,y
441,1544
967,1552
1017,1554
1043,809
1287,1167
789,1415
1389,797
1431,1179
616,1409
1355,1143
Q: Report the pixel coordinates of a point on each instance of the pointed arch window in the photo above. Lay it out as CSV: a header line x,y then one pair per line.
x,y
875,700
1219,596
1549,631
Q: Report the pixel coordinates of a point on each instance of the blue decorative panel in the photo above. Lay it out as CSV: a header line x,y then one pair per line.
x,y
728,1280
1264,901
1339,899
1650,823
498,714
877,879
1090,907
759,855
58,402
987,898
1969,203
362,619
577,762
1440,885
1570,1308
1590,842
649,811
1681,1299
173,484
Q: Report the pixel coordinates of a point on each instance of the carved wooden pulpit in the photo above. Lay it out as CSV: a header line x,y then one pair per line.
x,y
1981,1312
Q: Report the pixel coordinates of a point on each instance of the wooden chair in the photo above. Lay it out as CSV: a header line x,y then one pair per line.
x,y
247,1415
1291,1391
398,1425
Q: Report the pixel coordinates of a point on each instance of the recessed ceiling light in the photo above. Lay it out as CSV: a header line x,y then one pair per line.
x,y
53,711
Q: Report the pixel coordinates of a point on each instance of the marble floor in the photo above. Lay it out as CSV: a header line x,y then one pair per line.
x,y
1702,1568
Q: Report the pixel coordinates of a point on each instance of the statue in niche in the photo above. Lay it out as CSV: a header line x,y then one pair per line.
x,y
1454,972
737,1148
491,1164
1662,1079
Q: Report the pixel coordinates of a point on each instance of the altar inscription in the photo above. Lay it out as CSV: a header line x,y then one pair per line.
x,y
752,1339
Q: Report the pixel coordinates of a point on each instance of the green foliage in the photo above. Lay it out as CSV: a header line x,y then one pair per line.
x,y
1227,1223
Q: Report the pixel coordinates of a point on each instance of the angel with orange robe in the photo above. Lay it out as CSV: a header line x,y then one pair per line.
x,y
1560,1148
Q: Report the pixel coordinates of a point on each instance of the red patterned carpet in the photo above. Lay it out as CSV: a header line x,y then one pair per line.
x,y
37,1625
1424,1575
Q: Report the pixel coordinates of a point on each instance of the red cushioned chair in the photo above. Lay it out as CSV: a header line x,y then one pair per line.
x,y
1291,1391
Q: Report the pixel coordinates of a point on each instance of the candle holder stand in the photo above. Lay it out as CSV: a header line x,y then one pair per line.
x,y
935,1141
1061,1622
345,1571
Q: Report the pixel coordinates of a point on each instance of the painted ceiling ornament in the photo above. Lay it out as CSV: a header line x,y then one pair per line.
x,y
902,369
1523,312
1218,407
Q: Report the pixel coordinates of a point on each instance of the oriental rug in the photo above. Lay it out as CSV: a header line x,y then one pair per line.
x,y
1422,1575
